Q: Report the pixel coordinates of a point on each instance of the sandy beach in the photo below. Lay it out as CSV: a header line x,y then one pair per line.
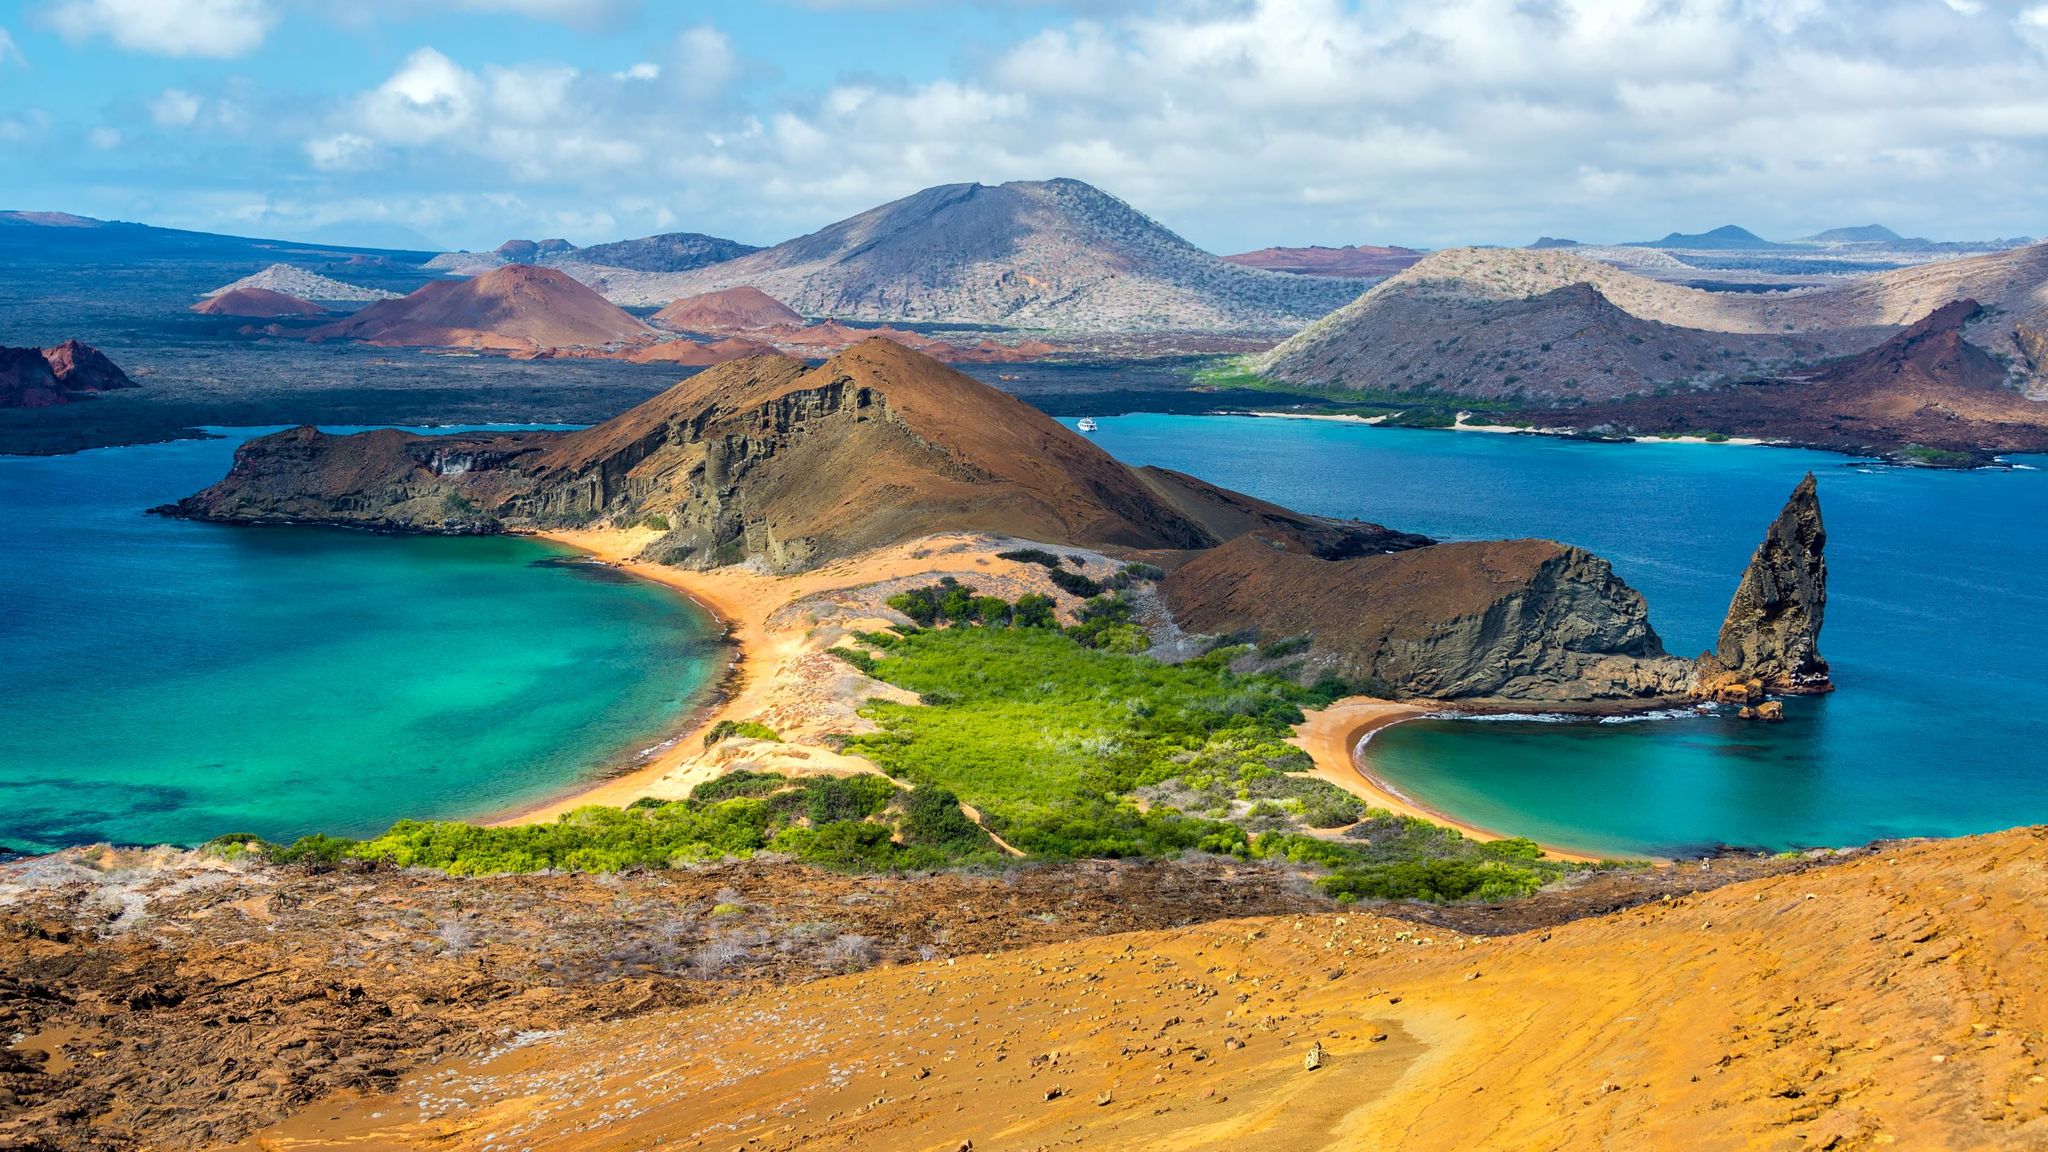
x,y
1330,738
782,674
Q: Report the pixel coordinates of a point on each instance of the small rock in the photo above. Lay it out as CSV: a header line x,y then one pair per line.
x,y
1103,1100
1314,1059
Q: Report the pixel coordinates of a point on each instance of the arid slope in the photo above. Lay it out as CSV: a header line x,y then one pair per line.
x,y
1891,1000
516,308
1055,254
1553,324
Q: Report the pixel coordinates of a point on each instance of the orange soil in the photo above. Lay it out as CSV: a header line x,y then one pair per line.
x,y
1892,1000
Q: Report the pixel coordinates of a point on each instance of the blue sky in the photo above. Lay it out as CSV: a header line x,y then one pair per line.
x,y
1239,123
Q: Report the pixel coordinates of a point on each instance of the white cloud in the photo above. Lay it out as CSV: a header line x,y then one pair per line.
x,y
341,152
9,53
104,139
1247,122
429,97
214,28
704,62
174,108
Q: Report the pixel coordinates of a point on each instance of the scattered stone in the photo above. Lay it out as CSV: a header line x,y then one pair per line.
x,y
1314,1060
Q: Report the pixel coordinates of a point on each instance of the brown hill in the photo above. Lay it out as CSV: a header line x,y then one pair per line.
x,y
1926,393
1360,260
1476,621
727,311
764,458
1511,622
788,467
1558,327
258,302
519,306
46,377
1891,1000
689,353
1056,255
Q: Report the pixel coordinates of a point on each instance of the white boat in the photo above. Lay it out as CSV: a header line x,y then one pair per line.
x,y
1087,424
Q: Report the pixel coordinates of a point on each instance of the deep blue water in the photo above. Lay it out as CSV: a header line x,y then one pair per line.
x,y
1937,628
169,682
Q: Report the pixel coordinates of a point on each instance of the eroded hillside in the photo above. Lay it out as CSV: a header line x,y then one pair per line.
x,y
1892,1000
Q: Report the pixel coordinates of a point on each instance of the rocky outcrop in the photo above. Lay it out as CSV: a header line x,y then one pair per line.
x,y
1770,640
1520,622
2032,341
46,377
763,460
1516,622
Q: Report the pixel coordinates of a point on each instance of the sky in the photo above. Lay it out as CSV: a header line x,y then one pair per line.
x,y
1238,123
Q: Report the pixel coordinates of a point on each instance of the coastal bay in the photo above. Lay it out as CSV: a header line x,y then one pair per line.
x,y
171,682
1936,630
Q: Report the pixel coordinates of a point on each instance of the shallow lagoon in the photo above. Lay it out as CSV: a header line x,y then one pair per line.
x,y
169,681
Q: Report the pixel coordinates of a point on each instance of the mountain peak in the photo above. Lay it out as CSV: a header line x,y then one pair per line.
x,y
1862,234
1059,254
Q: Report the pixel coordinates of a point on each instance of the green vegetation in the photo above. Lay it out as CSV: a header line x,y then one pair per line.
x,y
1067,741
1070,751
1230,373
746,729
853,823
1939,457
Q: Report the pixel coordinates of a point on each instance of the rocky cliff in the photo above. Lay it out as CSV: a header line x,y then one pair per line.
x,y
44,377
1770,640
763,460
1527,622
786,467
1516,622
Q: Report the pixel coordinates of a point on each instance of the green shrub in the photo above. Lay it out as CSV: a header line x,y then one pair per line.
x,y
1074,582
1033,611
855,657
746,729
1037,556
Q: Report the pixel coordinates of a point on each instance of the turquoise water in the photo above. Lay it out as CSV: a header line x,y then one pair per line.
x,y
1937,629
169,682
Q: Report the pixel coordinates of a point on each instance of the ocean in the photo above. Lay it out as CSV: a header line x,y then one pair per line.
x,y
170,682
1937,629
